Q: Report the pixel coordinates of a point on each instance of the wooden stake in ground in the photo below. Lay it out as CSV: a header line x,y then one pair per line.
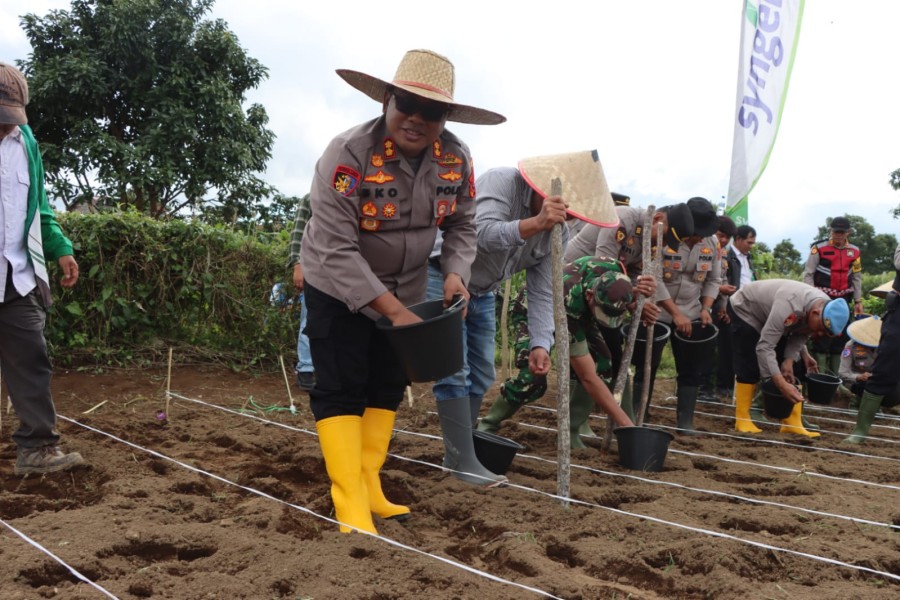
x,y
628,350
648,354
504,332
563,450
287,384
169,384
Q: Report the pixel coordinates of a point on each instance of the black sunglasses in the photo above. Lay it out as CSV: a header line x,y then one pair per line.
x,y
410,105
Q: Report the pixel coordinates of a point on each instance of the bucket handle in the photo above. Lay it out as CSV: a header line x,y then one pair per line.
x,y
457,301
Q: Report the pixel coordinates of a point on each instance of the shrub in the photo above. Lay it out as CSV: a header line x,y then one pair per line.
x,y
148,285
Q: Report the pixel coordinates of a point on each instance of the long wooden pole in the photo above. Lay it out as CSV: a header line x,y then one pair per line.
x,y
564,449
504,331
648,348
628,350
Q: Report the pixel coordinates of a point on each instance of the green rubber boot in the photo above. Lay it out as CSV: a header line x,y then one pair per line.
x,y
822,361
580,406
854,403
868,406
501,410
806,424
757,407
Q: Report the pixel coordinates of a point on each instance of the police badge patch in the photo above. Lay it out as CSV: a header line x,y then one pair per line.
x,y
345,180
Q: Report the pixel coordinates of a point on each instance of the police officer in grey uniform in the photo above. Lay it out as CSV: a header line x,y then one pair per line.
x,y
691,278
762,312
380,192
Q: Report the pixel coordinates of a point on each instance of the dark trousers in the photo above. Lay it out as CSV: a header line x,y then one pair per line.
x,y
356,367
886,369
25,367
744,339
724,359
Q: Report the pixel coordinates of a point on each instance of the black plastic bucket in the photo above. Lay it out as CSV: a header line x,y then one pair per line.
x,y
642,448
432,349
701,344
496,453
776,405
821,387
661,333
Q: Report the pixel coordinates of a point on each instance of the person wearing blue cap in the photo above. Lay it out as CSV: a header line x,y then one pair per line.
x,y
762,313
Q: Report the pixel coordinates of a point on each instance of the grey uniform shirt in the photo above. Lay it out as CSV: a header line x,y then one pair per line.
x,y
776,308
688,274
374,218
856,359
503,199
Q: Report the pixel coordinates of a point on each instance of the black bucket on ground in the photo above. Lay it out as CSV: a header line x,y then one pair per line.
x,y
661,333
642,448
776,405
821,387
495,452
432,349
701,343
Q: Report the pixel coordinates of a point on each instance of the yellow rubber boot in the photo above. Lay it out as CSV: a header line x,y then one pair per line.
x,y
341,442
377,427
794,424
743,397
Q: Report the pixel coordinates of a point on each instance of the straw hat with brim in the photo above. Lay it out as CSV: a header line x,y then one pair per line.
x,y
426,74
883,290
865,331
584,187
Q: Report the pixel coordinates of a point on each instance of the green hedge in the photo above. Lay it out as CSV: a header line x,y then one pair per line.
x,y
147,285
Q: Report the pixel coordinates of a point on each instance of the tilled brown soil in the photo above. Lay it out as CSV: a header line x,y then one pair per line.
x,y
210,503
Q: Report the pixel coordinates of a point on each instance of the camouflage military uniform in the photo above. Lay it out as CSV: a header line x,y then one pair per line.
x,y
584,335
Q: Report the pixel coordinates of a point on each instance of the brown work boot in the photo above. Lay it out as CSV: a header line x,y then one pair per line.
x,y
45,459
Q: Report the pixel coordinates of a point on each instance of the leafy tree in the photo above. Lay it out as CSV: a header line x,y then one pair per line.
x,y
877,250
786,259
763,259
139,103
895,183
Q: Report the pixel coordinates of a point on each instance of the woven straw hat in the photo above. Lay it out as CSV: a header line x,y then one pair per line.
x,y
865,331
426,74
13,95
584,187
883,290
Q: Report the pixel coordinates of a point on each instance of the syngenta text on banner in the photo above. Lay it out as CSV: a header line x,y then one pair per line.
x,y
769,33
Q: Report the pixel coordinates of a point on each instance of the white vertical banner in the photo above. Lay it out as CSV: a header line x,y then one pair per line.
x,y
769,33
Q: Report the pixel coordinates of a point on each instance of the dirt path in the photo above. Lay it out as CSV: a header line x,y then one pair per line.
x,y
741,518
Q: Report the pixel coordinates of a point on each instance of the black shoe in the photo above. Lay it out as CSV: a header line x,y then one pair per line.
x,y
306,380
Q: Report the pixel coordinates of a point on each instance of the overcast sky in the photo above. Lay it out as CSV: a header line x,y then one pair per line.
x,y
650,84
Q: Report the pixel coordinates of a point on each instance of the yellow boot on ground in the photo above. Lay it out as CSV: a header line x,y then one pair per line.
x,y
377,427
743,398
341,441
793,424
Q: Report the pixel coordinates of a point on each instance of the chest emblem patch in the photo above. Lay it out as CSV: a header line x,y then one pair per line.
x,y
380,177
389,210
450,175
369,209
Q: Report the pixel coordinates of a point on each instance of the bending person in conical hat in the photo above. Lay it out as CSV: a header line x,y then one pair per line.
x,y
761,313
885,372
381,192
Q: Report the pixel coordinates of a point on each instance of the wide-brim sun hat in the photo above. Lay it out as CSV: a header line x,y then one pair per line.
x,y
426,74
866,331
584,187
883,290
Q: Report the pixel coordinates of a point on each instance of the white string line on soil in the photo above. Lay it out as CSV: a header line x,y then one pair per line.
x,y
637,515
70,568
806,446
447,561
